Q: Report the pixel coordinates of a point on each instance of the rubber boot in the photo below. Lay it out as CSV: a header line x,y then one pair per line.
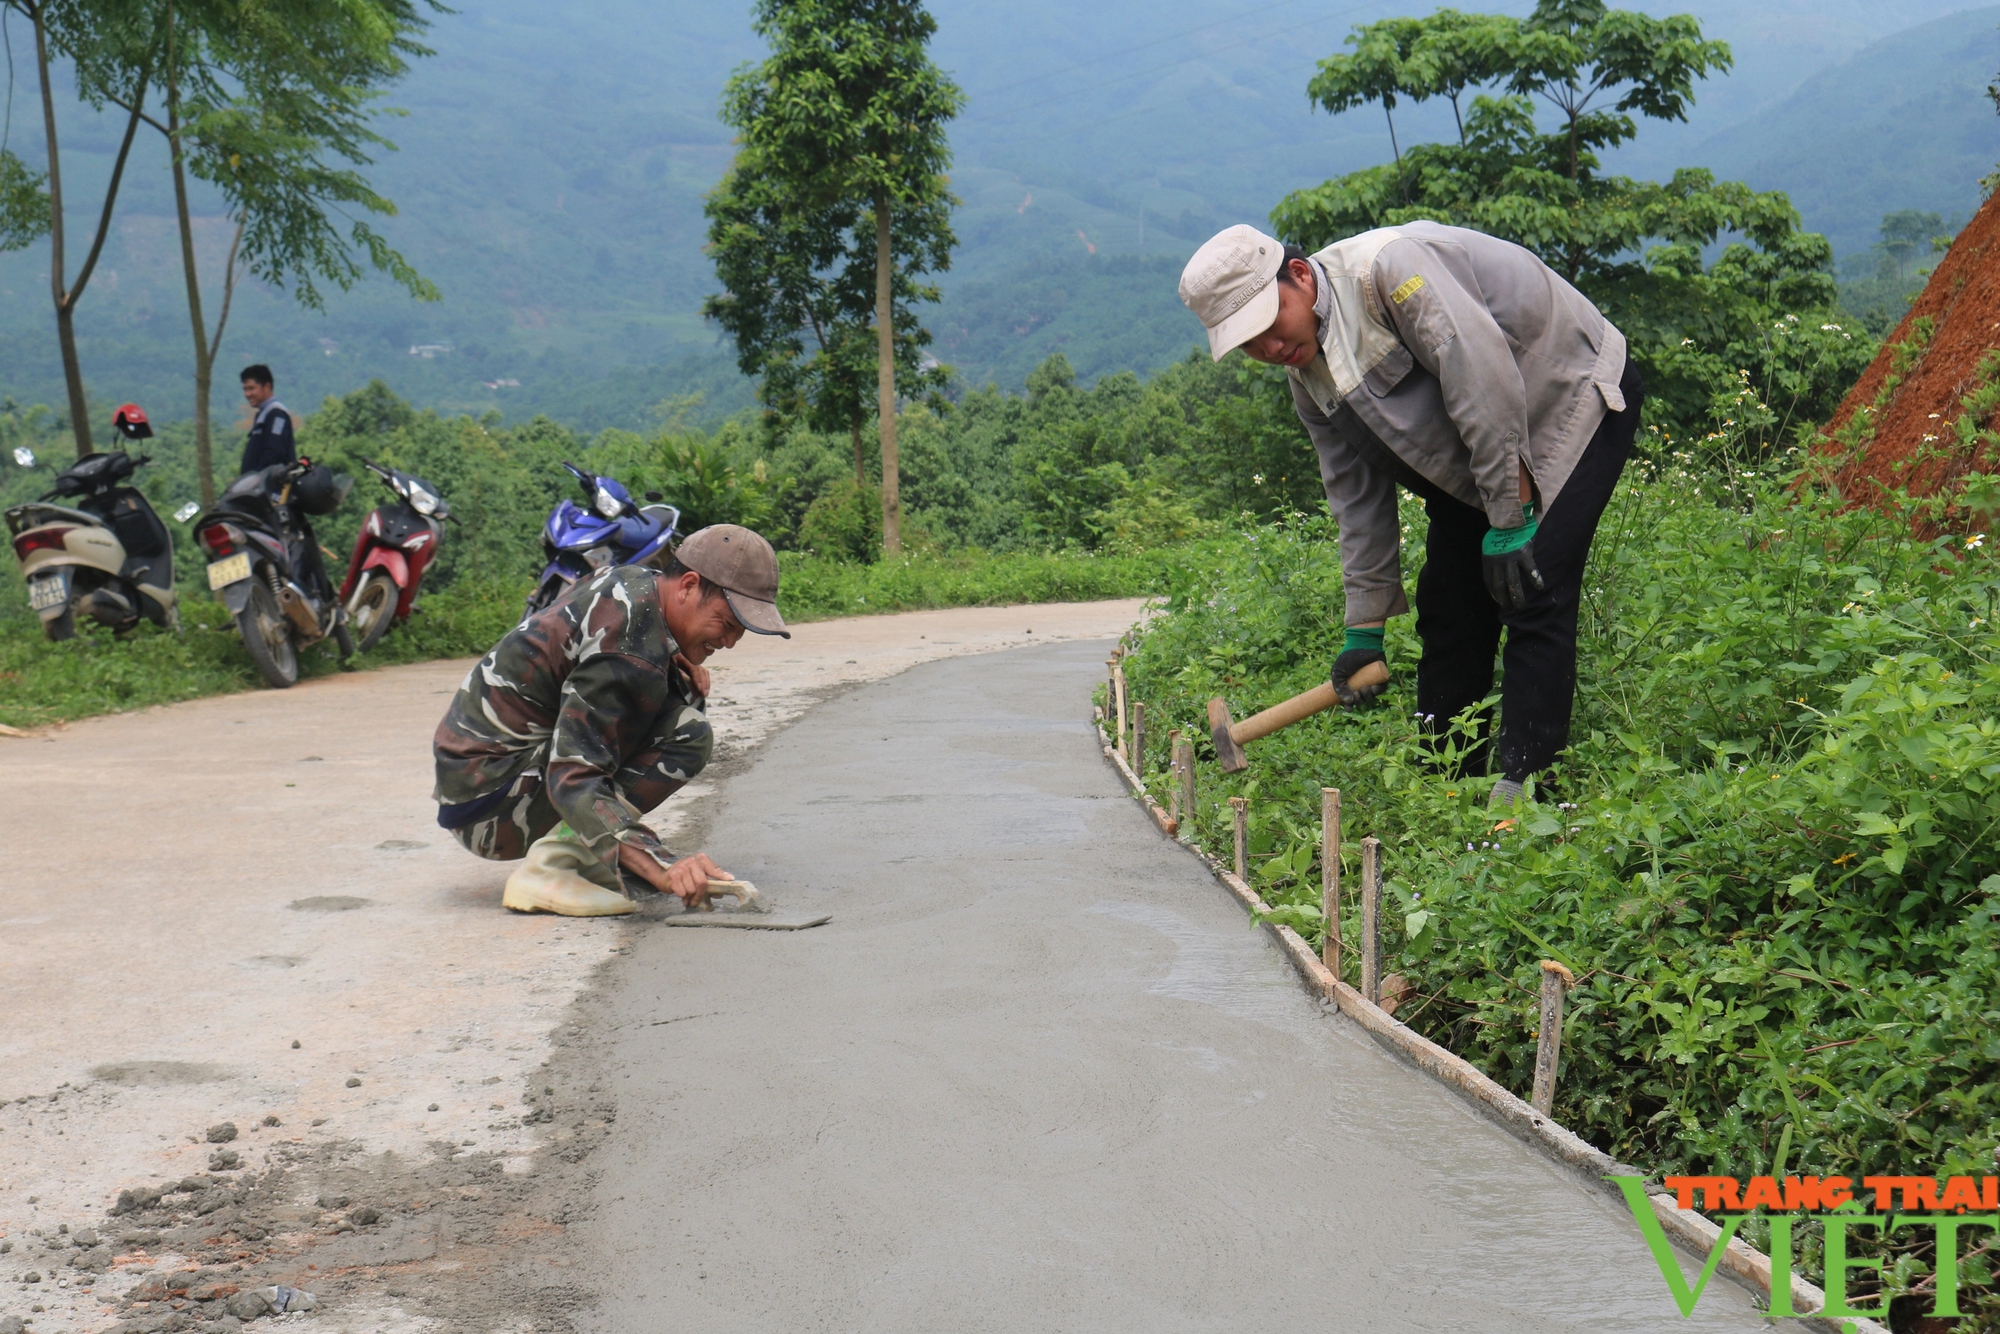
x,y
561,875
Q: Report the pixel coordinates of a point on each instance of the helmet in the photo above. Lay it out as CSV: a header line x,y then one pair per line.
x,y
131,423
320,489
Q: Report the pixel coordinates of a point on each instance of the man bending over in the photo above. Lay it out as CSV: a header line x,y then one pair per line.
x,y
589,714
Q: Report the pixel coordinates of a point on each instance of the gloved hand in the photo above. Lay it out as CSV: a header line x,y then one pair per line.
x,y
1507,562
1360,648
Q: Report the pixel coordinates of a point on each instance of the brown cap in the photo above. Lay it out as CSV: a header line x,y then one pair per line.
x,y
743,565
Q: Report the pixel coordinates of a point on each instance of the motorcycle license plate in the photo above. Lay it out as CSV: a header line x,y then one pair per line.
x,y
50,590
229,570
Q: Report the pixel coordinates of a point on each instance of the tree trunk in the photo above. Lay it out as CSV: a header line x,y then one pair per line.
x,y
67,296
1402,184
204,364
860,467
79,410
885,379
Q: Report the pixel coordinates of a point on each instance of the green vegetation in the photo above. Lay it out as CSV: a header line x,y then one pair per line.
x,y
1771,855
990,527
1634,247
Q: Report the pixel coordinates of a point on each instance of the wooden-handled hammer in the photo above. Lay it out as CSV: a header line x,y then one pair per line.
x,y
1230,737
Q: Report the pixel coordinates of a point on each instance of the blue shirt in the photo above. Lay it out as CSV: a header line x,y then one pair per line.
x,y
270,438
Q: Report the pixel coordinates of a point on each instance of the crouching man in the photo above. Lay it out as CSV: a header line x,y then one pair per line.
x,y
589,714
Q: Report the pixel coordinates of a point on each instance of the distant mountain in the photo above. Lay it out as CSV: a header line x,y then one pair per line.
x,y
1903,123
554,160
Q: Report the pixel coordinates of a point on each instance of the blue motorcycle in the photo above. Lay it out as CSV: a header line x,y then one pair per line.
x,y
609,528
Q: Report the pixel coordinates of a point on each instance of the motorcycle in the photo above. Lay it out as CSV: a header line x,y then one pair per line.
x,y
391,552
613,529
107,554
264,564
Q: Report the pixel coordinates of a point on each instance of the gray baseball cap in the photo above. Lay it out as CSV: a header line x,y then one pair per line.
x,y
1231,286
742,564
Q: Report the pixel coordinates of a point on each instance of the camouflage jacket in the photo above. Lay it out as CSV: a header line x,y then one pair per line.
x,y
587,690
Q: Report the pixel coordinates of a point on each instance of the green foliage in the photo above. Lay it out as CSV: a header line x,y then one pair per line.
x,y
1634,247
696,472
274,107
24,203
1770,854
501,483
844,523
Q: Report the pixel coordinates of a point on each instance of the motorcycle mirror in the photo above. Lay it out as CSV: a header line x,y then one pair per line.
x,y
187,511
24,456
655,495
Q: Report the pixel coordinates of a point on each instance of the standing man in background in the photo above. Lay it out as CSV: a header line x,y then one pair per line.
x,y
1463,369
271,429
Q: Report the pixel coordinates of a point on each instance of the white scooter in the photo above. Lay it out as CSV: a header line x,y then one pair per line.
x,y
105,553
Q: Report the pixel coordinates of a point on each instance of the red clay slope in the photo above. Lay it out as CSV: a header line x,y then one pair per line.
x,y
1963,300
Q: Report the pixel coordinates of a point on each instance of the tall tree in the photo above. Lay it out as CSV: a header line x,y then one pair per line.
x,y
842,167
266,107
1635,247
115,47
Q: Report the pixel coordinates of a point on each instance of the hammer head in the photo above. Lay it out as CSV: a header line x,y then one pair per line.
x,y
1227,753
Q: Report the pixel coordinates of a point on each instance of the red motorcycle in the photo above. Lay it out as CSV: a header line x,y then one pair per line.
x,y
391,553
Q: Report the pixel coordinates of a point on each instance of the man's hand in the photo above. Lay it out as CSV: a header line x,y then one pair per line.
x,y
1362,646
1511,576
687,879
698,675
1507,562
1346,665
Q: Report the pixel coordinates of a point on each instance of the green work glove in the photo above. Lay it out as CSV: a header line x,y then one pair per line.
x,y
1507,561
1359,649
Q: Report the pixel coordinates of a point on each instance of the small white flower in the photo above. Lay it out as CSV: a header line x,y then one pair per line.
x,y
1976,541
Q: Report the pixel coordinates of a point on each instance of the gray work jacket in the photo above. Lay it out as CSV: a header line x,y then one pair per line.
x,y
1459,356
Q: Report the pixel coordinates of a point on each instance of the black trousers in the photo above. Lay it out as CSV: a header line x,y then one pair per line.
x,y
1460,626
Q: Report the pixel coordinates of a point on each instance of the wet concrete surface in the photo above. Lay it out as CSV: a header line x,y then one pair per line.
x,y
1038,1073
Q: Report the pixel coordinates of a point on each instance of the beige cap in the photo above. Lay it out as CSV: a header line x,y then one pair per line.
x,y
743,565
1230,285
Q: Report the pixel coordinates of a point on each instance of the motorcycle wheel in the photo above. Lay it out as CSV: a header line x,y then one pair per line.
x,y
268,636
59,628
371,609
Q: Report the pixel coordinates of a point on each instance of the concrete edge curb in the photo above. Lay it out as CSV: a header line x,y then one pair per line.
x,y
1688,1229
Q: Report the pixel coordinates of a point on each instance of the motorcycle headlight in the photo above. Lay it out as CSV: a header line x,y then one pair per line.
x,y
607,504
422,501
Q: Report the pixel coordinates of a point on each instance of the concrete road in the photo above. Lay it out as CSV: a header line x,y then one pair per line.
x,y
1038,1073
241,907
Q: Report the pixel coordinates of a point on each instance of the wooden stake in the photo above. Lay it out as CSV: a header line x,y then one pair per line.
x,y
1111,703
1371,912
1174,812
1556,981
1138,757
1329,876
1241,807
1185,757
1118,685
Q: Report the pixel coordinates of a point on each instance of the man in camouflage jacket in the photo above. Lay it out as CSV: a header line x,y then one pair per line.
x,y
592,712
